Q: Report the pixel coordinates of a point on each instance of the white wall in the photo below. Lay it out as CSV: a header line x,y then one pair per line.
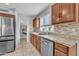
x,y
46,11
26,20
17,29
22,20
29,28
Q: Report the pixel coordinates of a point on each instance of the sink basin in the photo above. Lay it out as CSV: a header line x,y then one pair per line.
x,y
42,33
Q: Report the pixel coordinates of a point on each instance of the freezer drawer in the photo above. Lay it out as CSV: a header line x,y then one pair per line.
x,y
6,46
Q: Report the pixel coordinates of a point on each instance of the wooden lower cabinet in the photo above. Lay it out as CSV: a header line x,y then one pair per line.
x,y
59,53
31,37
58,48
36,41
62,50
38,44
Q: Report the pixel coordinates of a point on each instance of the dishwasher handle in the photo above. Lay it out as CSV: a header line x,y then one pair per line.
x,y
45,42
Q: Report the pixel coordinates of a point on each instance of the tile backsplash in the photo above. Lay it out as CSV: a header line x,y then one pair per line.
x,y
47,28
72,29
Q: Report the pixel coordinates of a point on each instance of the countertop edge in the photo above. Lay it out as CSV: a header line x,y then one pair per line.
x,y
66,44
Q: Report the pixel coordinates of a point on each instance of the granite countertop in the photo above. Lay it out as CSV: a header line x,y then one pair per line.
x,y
62,39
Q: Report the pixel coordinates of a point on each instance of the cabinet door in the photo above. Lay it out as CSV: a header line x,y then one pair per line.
x,y
55,13
59,53
61,47
77,12
37,22
31,38
34,23
60,50
39,44
35,40
67,12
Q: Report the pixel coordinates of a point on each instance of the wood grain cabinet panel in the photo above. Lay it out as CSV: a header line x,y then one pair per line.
x,y
63,13
55,13
77,12
36,22
67,12
38,44
31,38
62,50
36,41
59,53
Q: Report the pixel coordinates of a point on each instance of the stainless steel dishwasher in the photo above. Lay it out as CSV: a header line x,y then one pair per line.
x,y
46,47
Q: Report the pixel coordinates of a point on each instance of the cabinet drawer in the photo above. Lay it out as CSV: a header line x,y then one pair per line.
x,y
61,48
59,53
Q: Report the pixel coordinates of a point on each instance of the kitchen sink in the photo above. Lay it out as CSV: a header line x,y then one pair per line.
x,y
42,33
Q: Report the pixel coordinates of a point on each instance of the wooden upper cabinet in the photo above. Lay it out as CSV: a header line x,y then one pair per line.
x,y
55,13
36,22
67,12
33,22
77,12
63,12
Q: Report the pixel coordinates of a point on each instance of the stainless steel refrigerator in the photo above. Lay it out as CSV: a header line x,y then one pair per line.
x,y
7,34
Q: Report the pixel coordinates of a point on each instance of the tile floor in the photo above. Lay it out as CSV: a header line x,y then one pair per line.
x,y
25,49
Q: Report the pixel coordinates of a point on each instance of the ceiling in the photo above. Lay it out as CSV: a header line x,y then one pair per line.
x,y
30,9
